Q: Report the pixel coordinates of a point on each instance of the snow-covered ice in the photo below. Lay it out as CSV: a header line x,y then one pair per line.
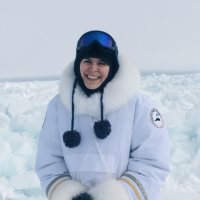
x,y
25,181
18,107
22,111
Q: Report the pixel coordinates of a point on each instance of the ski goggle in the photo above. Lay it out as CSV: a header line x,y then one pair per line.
x,y
104,39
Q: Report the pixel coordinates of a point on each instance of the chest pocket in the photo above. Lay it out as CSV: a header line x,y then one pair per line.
x,y
90,169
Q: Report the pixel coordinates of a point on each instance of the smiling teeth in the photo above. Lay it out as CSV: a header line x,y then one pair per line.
x,y
93,77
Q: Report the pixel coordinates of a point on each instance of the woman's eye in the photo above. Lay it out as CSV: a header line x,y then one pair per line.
x,y
101,63
87,61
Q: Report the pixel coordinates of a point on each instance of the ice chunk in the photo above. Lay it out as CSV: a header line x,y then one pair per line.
x,y
180,156
192,116
154,87
185,167
40,110
182,141
189,180
30,123
25,148
153,75
170,183
196,165
186,105
179,128
171,118
4,121
5,153
198,133
26,180
174,106
7,191
180,138
17,165
4,133
34,192
18,107
22,146
191,98
173,95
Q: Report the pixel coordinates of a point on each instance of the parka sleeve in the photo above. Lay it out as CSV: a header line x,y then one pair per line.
x,y
50,165
149,154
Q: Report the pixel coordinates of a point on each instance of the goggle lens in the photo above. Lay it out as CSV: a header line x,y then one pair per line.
x,y
102,38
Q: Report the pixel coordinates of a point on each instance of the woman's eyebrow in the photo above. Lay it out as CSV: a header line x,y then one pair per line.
x,y
102,60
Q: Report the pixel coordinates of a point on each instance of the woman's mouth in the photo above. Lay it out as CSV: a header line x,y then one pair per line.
x,y
92,77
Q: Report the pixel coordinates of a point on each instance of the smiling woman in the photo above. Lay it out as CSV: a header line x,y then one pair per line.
x,y
94,72
100,139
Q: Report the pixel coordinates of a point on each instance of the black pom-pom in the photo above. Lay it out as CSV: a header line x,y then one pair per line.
x,y
83,196
102,129
71,139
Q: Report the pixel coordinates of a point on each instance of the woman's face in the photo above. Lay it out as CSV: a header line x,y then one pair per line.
x,y
94,71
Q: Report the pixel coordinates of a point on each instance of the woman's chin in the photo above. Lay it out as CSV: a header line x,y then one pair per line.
x,y
93,87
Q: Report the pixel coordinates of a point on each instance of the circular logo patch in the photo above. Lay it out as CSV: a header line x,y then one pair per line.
x,y
156,118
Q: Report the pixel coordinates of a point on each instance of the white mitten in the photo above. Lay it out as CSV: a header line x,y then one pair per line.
x,y
68,189
110,189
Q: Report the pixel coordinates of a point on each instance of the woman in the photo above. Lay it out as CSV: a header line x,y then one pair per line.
x,y
102,139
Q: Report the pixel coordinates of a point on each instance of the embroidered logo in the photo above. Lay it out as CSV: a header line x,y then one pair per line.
x,y
156,118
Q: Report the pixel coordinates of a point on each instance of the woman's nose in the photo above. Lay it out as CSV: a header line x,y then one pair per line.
x,y
93,67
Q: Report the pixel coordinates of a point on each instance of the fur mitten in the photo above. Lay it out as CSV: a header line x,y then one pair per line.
x,y
110,189
68,189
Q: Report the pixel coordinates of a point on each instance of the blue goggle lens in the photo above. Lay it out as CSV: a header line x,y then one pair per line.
x,y
102,38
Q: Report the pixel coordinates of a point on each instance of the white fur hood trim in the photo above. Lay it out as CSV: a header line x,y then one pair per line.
x,y
117,92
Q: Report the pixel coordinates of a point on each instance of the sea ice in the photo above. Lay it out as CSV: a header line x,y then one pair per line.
x,y
22,111
7,191
29,123
25,181
196,164
17,165
180,156
5,154
18,107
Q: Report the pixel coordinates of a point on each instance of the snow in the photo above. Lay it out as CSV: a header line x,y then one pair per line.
x,y
26,180
22,111
18,107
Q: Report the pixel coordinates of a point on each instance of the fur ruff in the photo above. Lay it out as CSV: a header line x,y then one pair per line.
x,y
67,190
109,189
117,92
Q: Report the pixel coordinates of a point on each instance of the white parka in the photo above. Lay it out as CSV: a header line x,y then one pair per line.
x,y
131,163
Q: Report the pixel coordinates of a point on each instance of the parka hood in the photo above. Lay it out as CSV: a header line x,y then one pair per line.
x,y
117,92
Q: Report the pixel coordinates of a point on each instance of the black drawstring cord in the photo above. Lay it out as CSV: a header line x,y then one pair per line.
x,y
72,122
101,106
72,138
102,128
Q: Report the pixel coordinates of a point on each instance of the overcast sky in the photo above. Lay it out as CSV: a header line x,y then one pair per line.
x,y
38,37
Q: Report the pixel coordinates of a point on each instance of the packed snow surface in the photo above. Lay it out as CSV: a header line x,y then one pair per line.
x,y
22,111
